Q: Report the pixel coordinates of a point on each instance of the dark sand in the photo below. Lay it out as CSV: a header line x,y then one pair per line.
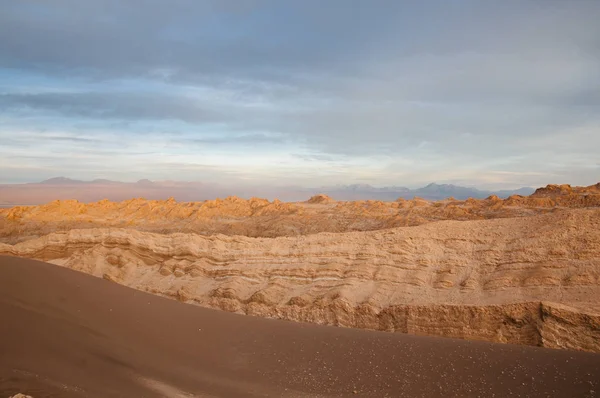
x,y
67,334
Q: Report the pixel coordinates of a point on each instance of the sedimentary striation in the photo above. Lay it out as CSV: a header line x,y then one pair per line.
x,y
522,270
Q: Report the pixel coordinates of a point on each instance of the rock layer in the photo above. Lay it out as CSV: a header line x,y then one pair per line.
x,y
262,218
528,280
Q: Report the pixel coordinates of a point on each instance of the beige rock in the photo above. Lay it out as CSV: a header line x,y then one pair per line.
x,y
260,218
528,280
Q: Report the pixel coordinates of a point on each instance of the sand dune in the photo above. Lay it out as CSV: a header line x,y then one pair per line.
x,y
529,280
72,335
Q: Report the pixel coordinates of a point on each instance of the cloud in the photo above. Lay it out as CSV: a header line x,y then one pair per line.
x,y
119,106
243,139
385,90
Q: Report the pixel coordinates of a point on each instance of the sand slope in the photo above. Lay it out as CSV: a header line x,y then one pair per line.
x,y
530,280
67,334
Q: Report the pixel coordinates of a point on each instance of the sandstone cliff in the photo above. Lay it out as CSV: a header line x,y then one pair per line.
x,y
528,280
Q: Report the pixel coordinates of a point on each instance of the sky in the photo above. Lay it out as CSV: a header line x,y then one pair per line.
x,y
493,94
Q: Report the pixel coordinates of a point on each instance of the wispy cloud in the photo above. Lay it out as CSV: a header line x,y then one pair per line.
x,y
386,92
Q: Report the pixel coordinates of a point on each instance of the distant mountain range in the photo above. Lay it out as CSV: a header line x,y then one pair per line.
x,y
89,191
432,191
69,181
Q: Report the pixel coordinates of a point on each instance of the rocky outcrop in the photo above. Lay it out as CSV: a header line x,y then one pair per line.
x,y
321,199
528,280
565,190
261,218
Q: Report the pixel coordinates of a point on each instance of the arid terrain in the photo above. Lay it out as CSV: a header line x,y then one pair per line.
x,y
63,188
72,335
257,217
520,270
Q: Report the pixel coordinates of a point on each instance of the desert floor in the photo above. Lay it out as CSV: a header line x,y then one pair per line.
x,y
68,334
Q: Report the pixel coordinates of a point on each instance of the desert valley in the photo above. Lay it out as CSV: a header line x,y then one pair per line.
x,y
258,198
522,270
517,270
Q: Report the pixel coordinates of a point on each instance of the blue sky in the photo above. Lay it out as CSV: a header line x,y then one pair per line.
x,y
494,94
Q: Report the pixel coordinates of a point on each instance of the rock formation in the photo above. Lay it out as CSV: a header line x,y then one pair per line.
x,y
262,218
531,279
320,198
